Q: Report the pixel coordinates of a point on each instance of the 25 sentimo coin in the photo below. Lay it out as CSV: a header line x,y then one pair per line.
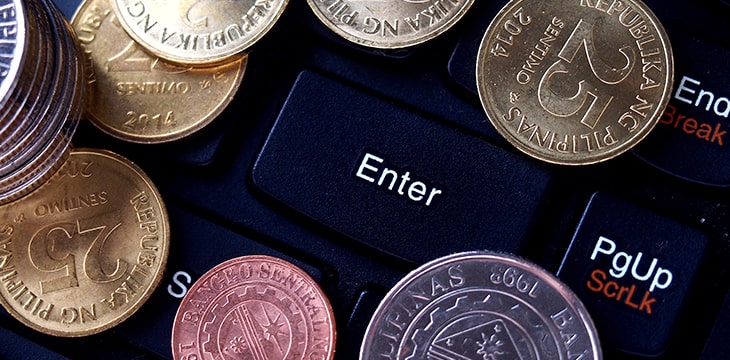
x,y
85,250
573,82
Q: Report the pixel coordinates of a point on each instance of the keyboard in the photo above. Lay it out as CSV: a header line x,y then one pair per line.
x,y
289,170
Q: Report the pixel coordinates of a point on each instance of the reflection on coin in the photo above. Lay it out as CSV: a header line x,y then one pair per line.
x,y
85,250
140,98
197,31
389,24
254,307
480,305
574,82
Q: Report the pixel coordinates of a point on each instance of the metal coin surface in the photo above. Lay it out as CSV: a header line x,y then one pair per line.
x,y
480,305
389,24
85,250
12,47
254,307
198,31
140,98
40,114
574,82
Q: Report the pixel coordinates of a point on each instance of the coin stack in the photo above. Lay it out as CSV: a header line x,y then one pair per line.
x,y
41,94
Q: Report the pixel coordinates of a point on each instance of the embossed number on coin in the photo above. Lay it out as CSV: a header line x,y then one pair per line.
x,y
84,251
573,82
140,98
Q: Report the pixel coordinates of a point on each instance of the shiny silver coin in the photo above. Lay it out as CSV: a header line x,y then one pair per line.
x,y
480,305
40,111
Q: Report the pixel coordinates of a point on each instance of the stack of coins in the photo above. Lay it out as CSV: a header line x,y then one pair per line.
x,y
41,94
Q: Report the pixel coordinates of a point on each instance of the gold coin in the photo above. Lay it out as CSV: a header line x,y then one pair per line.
x,y
389,24
85,250
197,31
573,82
140,98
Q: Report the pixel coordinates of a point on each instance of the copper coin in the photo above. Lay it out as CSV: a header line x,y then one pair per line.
x,y
480,305
574,82
84,251
254,307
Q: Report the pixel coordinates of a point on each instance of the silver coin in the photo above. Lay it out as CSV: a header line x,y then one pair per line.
x,y
480,305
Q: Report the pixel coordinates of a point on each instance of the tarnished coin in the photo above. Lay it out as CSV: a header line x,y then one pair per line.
x,y
198,31
140,98
574,82
85,250
254,307
389,24
480,305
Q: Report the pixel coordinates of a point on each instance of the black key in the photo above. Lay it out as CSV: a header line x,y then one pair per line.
x,y
463,63
198,246
365,307
633,269
718,346
12,344
691,140
68,7
392,179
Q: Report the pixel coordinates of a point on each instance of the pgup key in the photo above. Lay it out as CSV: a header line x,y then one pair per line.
x,y
622,261
633,268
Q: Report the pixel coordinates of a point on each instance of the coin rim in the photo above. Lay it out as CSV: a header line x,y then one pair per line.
x,y
492,114
154,284
538,271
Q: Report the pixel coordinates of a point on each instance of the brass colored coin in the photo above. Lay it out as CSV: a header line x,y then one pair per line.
x,y
85,250
389,24
574,82
197,31
140,98
480,305
254,307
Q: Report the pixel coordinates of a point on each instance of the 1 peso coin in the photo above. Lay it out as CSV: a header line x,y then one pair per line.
x,y
573,82
84,251
197,31
254,307
140,98
389,24
480,305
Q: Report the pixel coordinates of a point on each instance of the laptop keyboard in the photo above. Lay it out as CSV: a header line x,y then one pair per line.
x,y
358,165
